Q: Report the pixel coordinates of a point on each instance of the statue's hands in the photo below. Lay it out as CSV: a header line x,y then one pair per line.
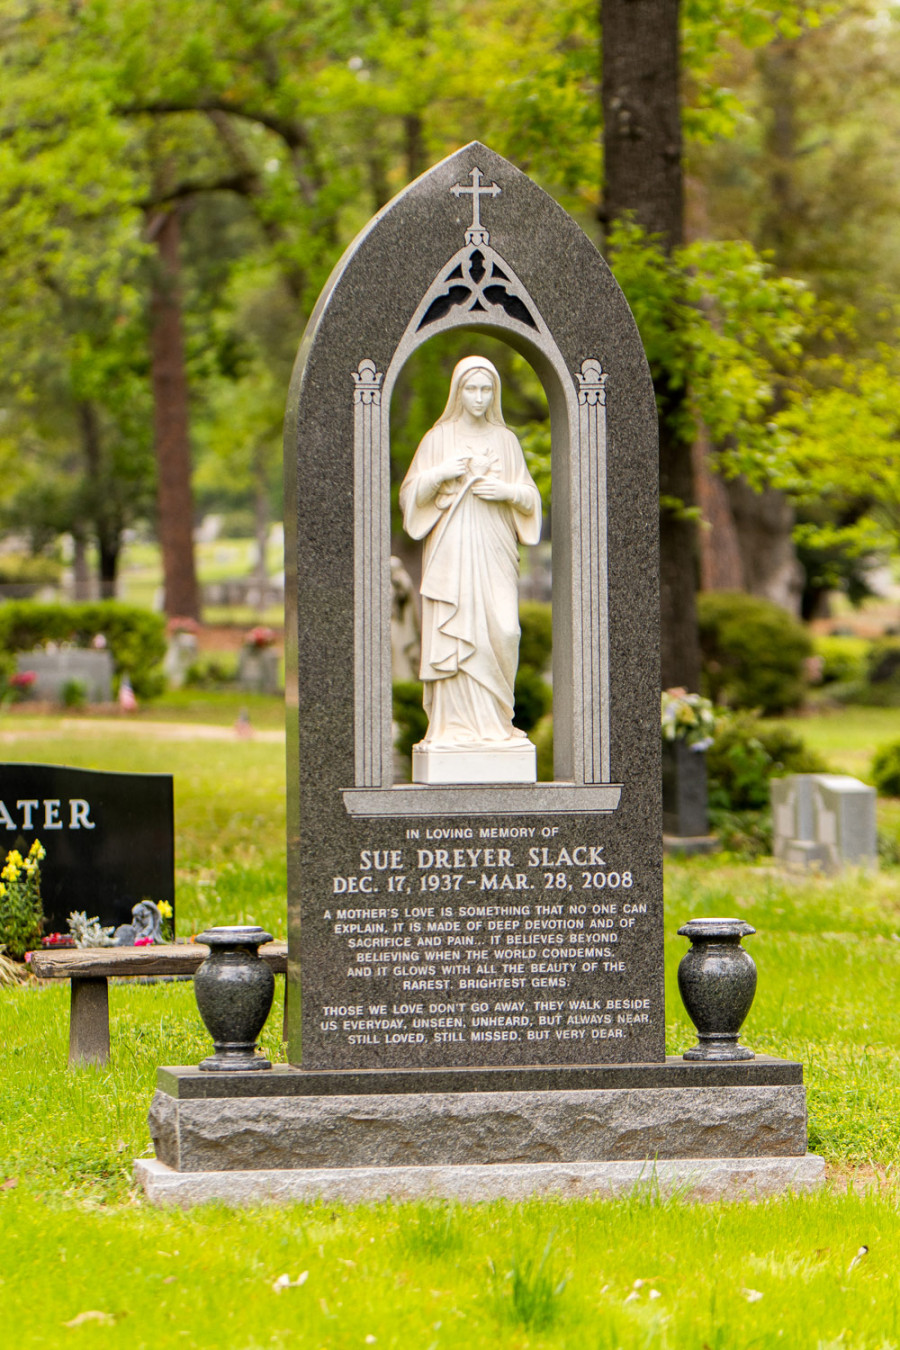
x,y
454,466
494,490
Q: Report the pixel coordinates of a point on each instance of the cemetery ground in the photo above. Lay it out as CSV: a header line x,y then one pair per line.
x,y
85,1261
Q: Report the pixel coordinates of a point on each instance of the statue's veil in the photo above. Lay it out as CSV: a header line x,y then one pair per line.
x,y
453,410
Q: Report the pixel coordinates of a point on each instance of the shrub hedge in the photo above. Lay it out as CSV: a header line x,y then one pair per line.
x,y
753,652
136,638
886,769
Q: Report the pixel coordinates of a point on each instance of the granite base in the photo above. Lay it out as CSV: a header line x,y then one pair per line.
x,y
692,1179
691,843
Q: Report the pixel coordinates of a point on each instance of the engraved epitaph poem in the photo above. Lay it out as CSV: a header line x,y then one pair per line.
x,y
482,918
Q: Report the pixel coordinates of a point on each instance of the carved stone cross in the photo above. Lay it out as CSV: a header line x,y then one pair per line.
x,y
476,233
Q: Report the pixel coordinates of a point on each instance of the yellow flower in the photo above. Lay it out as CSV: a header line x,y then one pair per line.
x,y
165,909
10,872
37,850
14,857
30,867
2,889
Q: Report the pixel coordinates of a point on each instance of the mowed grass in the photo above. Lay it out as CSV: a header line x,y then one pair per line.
x,y
75,1239
600,1275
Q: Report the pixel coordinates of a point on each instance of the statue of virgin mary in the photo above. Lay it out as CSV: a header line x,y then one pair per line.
x,y
469,495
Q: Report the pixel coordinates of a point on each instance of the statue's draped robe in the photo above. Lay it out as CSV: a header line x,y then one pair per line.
x,y
470,601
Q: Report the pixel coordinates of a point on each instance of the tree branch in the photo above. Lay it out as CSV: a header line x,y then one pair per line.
x,y
292,132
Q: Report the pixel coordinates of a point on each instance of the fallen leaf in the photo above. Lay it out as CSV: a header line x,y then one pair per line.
x,y
170,1279
9,1184
92,1315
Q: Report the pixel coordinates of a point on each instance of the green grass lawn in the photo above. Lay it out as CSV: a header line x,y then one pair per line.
x,y
626,1275
849,737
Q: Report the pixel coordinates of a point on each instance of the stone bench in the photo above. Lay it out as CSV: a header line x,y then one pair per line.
x,y
90,968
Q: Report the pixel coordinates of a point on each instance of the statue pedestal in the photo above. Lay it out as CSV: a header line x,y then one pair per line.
x,y
512,763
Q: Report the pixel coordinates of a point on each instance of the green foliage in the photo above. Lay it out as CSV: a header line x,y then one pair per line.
x,y
18,570
746,753
753,652
886,769
409,715
542,736
533,697
21,912
211,671
536,642
843,658
74,694
883,665
135,637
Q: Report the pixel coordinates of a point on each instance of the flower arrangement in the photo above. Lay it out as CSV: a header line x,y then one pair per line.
x,y
260,637
168,927
690,718
89,932
53,941
21,912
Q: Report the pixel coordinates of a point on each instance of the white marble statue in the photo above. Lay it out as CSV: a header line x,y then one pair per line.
x,y
469,495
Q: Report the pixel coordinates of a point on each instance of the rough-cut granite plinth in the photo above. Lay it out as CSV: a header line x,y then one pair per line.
x,y
710,1130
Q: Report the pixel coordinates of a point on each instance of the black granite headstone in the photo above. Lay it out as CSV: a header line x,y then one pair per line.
x,y
482,925
109,837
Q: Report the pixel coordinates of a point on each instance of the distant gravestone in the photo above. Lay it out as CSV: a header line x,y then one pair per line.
x,y
109,837
825,820
93,670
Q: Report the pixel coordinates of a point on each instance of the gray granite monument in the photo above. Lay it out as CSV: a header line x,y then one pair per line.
x,y
481,956
824,820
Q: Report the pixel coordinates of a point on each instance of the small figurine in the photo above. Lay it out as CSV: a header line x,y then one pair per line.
x,y
145,928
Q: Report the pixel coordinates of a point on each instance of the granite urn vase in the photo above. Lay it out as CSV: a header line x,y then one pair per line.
x,y
234,989
717,981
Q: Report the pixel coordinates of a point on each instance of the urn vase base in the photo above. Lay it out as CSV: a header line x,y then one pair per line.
x,y
720,1051
235,1059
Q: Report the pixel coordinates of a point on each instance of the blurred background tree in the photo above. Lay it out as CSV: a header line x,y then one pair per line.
x,y
179,180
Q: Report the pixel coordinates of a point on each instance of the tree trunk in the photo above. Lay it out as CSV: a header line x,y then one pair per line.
x,y
81,576
644,180
261,522
721,563
106,520
171,425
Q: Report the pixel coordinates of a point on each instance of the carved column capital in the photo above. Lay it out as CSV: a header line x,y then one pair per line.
x,y
592,383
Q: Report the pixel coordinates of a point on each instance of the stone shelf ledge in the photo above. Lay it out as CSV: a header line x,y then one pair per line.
x,y
417,799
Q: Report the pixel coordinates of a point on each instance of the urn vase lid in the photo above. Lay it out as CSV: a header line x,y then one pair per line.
x,y
710,929
235,935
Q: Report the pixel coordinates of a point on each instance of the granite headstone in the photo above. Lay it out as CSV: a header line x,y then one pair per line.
x,y
54,671
825,820
109,837
479,925
481,964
